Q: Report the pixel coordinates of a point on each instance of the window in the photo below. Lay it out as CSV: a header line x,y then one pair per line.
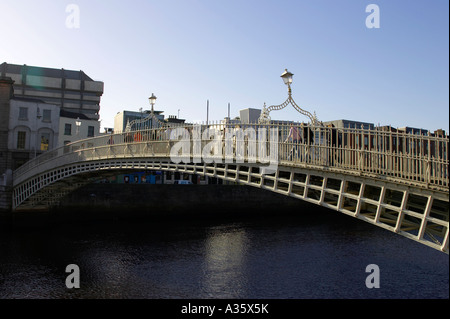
x,y
67,129
21,138
45,140
90,131
23,113
47,116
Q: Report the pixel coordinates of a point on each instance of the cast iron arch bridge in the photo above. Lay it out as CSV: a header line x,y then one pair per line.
x,y
394,180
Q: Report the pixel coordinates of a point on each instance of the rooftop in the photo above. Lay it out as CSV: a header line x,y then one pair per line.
x,y
43,71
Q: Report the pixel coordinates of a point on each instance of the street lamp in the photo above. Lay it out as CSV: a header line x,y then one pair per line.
x,y
151,117
38,115
264,118
287,79
152,100
78,124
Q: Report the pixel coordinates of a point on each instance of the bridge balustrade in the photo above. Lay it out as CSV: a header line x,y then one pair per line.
x,y
420,159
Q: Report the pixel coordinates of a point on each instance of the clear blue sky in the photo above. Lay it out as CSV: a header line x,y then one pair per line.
x,y
234,51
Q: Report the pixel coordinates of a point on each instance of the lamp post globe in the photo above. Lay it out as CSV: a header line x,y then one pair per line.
x,y
152,100
78,124
287,77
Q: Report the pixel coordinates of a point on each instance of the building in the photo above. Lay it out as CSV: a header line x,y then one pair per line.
x,y
350,124
123,118
249,115
440,132
173,120
29,127
412,130
6,93
76,126
73,91
33,129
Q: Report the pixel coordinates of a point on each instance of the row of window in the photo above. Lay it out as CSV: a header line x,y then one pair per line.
x,y
45,137
68,130
23,114
47,117
22,137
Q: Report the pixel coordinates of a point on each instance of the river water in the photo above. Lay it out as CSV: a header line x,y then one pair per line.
x,y
314,254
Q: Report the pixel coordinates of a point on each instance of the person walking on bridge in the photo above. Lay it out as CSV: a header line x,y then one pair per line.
x,y
296,137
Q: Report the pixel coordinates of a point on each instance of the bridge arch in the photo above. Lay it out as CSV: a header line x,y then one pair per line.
x,y
418,215
403,193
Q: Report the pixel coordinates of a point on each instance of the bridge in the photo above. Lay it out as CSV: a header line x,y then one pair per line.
x,y
397,181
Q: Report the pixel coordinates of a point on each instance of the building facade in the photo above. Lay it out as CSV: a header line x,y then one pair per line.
x,y
73,91
249,115
125,117
6,93
33,129
31,126
350,124
28,127
76,126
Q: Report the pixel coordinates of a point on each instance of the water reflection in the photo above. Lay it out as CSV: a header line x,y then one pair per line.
x,y
319,257
225,252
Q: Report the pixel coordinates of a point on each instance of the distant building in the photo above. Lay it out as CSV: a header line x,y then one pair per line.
x,y
386,128
143,120
350,124
412,130
73,91
123,118
173,119
440,133
249,115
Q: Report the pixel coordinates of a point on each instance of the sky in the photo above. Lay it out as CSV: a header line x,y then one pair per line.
x,y
188,52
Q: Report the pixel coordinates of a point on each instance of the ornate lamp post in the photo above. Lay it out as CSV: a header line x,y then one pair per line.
x,y
264,118
139,122
152,100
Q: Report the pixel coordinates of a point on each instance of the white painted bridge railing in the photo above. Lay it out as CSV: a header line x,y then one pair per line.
x,y
421,160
